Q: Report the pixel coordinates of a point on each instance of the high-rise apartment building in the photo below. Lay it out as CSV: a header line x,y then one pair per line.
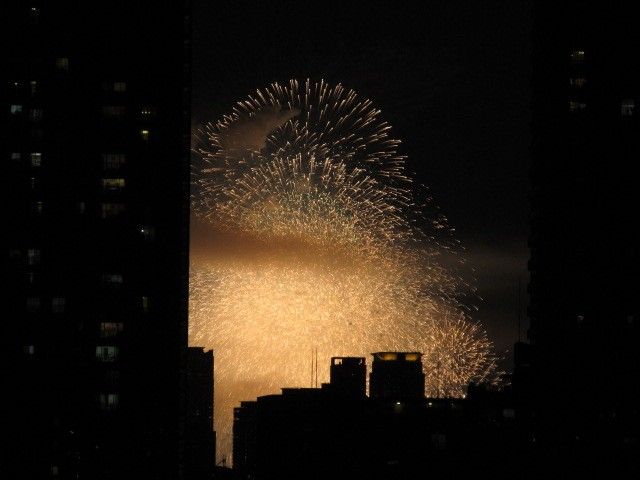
x,y
95,146
585,324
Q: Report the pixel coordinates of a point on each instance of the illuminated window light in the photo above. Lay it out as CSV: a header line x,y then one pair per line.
x,y
577,56
145,304
107,353
113,184
577,107
387,356
627,107
110,329
109,401
62,64
36,159
578,82
33,256
58,304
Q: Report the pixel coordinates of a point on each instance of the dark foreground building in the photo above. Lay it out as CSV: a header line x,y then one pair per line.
x,y
95,148
585,319
200,438
396,375
332,433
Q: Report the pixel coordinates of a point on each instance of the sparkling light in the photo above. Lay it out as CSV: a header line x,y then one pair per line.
x,y
316,241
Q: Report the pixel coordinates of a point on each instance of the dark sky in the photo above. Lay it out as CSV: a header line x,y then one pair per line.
x,y
451,76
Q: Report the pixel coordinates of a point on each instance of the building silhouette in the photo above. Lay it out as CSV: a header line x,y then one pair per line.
x,y
323,433
583,311
95,143
348,376
397,375
200,438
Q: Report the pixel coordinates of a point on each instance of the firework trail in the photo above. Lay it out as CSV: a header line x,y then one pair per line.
x,y
313,242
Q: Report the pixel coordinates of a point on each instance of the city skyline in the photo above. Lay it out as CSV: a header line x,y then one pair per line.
x,y
258,241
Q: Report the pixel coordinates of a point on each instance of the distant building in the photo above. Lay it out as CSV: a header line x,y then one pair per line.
x,y
200,438
302,433
348,376
584,310
245,438
95,138
316,433
396,375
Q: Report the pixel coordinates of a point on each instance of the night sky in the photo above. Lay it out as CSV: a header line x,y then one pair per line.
x,y
452,77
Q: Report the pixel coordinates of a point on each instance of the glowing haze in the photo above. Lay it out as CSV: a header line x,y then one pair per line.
x,y
317,239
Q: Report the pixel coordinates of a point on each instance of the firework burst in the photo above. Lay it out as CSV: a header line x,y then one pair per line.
x,y
316,245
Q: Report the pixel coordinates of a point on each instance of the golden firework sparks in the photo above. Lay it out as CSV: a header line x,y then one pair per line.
x,y
317,246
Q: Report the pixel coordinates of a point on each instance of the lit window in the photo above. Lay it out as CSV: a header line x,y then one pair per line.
x,y
387,356
33,86
113,161
32,182
29,349
58,304
579,318
34,15
626,107
119,87
112,184
62,64
577,56
35,114
33,256
509,413
110,210
110,329
576,107
144,134
147,111
113,111
109,401
107,353
36,159
148,232
578,82
16,156
112,279
37,207
15,109
33,304
145,304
